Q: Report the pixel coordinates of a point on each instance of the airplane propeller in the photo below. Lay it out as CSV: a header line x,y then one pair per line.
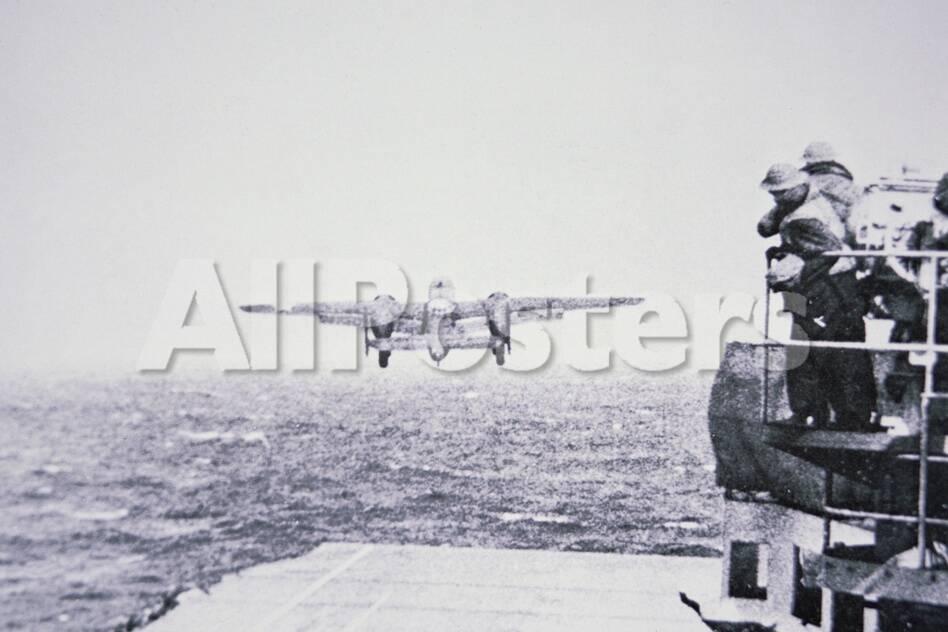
x,y
365,331
508,328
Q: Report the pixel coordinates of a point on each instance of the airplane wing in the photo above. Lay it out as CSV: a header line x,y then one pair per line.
x,y
550,303
473,309
481,342
398,343
526,309
411,317
352,314
470,309
413,343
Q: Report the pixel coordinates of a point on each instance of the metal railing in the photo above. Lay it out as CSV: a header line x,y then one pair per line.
x,y
928,395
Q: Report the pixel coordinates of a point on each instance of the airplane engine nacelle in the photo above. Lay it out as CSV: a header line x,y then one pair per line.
x,y
498,315
384,310
381,318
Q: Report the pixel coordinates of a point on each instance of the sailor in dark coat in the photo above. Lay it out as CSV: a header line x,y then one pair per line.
x,y
829,378
932,234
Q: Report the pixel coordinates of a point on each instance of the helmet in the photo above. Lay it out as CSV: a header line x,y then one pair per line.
x,y
940,198
818,151
781,177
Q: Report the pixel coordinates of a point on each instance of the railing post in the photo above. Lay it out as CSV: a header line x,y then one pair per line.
x,y
765,388
827,502
928,398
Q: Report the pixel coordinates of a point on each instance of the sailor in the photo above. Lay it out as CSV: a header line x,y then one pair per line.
x,y
831,179
841,379
932,234
891,285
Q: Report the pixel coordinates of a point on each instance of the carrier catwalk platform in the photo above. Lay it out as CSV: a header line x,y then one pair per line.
x,y
831,526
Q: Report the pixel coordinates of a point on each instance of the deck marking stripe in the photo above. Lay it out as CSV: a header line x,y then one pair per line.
x,y
360,620
313,588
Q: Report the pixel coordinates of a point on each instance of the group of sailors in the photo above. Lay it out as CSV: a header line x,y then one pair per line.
x,y
812,214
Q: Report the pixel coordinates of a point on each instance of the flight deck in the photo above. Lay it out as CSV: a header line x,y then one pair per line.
x,y
348,587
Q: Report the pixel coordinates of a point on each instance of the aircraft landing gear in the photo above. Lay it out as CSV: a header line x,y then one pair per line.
x,y
499,355
381,332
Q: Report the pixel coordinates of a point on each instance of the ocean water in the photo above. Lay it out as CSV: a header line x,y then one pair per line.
x,y
117,493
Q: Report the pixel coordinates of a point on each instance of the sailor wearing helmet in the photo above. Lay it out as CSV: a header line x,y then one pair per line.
x,y
828,378
827,176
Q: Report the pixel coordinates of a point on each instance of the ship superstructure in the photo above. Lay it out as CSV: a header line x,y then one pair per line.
x,y
843,530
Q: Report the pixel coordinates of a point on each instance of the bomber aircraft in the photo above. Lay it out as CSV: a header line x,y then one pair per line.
x,y
442,323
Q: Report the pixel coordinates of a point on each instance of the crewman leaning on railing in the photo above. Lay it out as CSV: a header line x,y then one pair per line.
x,y
841,379
827,178
932,234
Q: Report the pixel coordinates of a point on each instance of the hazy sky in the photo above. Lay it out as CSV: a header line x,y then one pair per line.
x,y
509,145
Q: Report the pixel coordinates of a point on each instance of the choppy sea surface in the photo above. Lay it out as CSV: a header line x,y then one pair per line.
x,y
116,493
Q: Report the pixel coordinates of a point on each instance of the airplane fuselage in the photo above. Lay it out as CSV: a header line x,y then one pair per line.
x,y
440,311
440,315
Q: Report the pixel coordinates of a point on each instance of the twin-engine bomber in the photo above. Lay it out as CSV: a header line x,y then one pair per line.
x,y
442,323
